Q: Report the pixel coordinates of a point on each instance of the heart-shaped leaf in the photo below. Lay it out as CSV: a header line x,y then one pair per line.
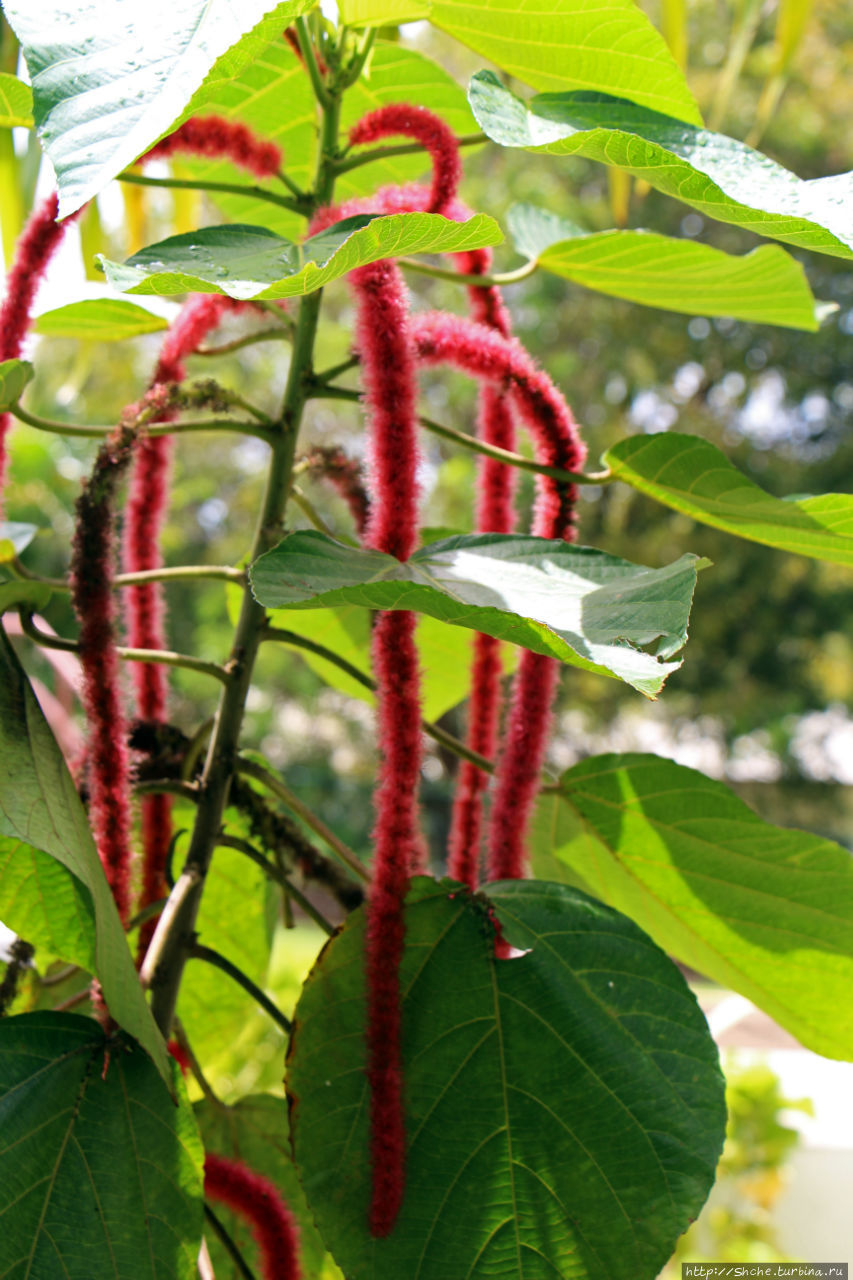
x,y
253,262
719,176
765,286
100,1173
100,320
694,476
16,103
582,606
108,79
14,376
571,1086
763,910
40,808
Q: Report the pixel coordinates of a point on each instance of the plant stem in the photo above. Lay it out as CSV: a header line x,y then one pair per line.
x,y
499,280
348,162
215,958
248,340
267,434
176,573
229,1245
166,658
195,1066
269,869
306,46
230,188
317,825
322,392
167,786
173,939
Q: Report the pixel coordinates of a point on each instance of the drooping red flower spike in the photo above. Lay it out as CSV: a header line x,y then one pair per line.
x,y
256,1199
144,517
37,244
430,131
92,560
345,475
220,139
484,353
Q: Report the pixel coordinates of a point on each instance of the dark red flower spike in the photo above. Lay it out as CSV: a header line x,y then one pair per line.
x,y
433,134
256,1199
220,139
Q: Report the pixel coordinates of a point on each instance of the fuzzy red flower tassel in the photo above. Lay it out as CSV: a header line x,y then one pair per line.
x,y
92,556
38,242
430,131
220,139
257,1200
484,353
145,515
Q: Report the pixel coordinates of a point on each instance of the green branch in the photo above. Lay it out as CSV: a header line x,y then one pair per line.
x,y
227,188
469,278
54,427
215,958
273,872
347,162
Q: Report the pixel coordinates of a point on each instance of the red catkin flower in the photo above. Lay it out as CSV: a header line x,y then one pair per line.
x,y
257,1200
36,246
144,518
92,555
430,131
484,353
219,139
345,474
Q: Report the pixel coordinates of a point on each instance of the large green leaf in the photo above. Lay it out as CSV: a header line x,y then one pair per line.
x,y
564,1108
108,79
253,262
16,103
719,176
254,97
694,476
14,376
763,910
39,807
766,286
100,1173
46,905
100,320
255,1130
608,45
582,606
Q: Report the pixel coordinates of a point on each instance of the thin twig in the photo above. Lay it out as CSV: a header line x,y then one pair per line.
x,y
229,1244
347,162
499,280
56,428
166,657
229,188
248,340
269,869
180,1035
167,786
219,961
269,780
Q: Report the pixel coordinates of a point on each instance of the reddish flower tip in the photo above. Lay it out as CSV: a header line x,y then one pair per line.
x,y
430,131
258,1200
218,138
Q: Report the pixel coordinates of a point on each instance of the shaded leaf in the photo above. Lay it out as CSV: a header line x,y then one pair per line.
x,y
14,376
763,910
104,89
43,903
16,103
253,262
582,606
515,1158
39,807
34,595
694,476
765,286
99,319
719,176
100,1174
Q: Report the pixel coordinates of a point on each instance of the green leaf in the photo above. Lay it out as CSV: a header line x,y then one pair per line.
x,y
39,806
255,1130
585,1158
100,1174
694,476
253,262
100,320
765,911
565,44
15,538
16,103
233,919
722,178
33,594
105,88
46,905
14,376
582,606
765,286
254,98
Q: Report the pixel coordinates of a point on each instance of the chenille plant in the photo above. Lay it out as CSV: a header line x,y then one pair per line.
x,y
487,1074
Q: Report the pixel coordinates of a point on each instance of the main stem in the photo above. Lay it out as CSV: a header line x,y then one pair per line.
x,y
173,940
